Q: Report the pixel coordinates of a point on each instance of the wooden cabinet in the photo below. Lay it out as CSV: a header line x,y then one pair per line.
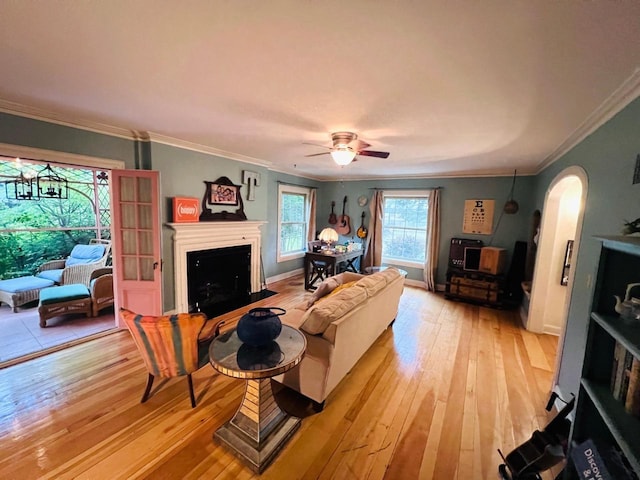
x,y
599,416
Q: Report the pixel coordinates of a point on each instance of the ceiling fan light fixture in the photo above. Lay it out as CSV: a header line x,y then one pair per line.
x,y
342,155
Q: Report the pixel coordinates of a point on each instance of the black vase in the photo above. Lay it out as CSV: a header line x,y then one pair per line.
x,y
259,358
260,326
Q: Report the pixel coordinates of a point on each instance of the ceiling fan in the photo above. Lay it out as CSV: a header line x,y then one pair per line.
x,y
345,147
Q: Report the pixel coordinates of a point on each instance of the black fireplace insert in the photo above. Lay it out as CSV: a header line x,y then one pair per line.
x,y
219,280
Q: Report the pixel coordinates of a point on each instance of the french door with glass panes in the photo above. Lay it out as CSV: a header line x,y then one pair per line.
x,y
136,241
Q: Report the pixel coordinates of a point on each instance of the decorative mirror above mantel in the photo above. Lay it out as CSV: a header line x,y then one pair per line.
x,y
222,192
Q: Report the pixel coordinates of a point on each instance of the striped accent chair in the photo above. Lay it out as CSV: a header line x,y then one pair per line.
x,y
170,345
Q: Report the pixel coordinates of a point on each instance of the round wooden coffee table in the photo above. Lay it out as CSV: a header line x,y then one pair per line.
x,y
259,429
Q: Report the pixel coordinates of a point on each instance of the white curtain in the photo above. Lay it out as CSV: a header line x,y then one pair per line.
x,y
433,240
373,253
311,230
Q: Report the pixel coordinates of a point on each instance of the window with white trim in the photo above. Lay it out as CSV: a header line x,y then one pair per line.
x,y
293,221
404,228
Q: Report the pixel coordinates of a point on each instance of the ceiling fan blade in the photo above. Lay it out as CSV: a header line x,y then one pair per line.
x,y
358,144
372,153
316,154
316,145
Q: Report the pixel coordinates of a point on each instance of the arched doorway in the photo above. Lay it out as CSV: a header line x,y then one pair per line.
x,y
562,216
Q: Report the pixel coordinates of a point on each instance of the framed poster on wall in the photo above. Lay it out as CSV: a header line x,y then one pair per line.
x,y
478,216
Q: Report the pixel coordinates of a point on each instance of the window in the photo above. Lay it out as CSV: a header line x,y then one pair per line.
x,y
293,221
404,228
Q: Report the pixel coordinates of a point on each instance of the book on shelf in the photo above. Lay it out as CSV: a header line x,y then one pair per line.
x,y
621,372
632,401
616,370
588,462
595,459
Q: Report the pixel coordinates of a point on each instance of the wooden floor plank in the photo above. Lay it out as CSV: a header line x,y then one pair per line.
x,y
434,397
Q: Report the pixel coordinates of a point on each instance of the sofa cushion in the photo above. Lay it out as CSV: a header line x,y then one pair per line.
x,y
54,275
65,293
340,288
294,317
326,287
372,284
24,284
389,274
85,254
316,320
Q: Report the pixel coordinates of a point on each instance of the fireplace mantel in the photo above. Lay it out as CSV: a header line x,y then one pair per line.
x,y
192,237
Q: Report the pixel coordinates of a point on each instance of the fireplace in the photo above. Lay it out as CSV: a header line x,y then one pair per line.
x,y
209,237
219,280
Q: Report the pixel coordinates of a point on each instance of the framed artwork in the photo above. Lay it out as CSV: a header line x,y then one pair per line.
x,y
224,194
564,278
478,216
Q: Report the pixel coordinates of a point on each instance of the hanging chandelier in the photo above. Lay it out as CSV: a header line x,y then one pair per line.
x,y
30,186
51,184
22,188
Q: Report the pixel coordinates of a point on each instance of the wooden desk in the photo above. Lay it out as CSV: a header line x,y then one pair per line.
x,y
318,266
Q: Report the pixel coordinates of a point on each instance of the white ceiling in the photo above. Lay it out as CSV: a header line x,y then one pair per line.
x,y
455,87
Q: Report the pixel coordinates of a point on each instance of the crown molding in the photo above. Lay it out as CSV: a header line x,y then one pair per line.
x,y
36,113
196,147
619,99
422,176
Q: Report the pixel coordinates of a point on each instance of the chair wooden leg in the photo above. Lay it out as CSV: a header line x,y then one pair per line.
x,y
317,406
147,390
193,397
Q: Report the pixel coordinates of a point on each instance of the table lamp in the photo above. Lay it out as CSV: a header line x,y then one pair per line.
x,y
328,235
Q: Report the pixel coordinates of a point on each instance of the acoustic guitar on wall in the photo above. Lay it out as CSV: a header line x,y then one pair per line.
x,y
332,216
343,226
362,231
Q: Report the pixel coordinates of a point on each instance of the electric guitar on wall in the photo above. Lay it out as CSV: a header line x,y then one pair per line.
x,y
362,231
343,226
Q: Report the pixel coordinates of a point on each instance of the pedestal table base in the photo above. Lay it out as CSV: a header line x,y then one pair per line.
x,y
259,429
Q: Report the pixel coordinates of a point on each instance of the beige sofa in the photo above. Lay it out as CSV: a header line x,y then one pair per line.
x,y
346,314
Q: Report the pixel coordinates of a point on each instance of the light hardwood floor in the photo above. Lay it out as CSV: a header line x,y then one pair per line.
x,y
434,398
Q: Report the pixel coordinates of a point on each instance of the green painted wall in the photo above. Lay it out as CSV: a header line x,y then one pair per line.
x,y
182,173
608,156
16,130
454,192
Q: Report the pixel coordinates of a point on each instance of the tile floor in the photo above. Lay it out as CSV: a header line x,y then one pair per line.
x,y
20,333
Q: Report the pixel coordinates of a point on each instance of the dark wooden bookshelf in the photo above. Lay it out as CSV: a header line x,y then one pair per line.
x,y
598,415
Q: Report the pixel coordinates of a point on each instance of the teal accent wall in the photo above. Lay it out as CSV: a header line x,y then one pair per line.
x,y
16,130
454,192
183,173
608,156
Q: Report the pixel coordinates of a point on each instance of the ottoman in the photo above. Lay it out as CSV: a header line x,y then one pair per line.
x,y
18,291
54,301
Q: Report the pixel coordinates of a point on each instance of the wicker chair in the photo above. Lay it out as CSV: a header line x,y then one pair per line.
x,y
74,270
101,288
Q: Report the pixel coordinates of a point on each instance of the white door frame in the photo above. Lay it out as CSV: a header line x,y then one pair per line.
x,y
535,321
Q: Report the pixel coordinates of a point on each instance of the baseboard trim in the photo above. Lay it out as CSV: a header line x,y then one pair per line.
x,y
284,276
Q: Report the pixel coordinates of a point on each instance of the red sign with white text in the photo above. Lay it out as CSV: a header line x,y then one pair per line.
x,y
185,209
